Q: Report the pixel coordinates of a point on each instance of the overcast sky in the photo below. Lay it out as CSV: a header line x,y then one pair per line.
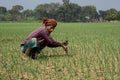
x,y
31,4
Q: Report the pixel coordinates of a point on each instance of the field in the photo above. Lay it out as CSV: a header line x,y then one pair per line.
x,y
93,53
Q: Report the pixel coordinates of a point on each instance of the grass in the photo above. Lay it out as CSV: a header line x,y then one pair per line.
x,y
94,53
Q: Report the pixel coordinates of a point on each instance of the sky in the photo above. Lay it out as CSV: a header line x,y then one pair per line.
x,y
31,4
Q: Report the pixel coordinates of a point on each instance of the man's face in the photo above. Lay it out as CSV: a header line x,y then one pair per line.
x,y
50,28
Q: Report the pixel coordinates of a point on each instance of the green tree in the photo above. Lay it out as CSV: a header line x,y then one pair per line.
x,y
75,12
111,14
52,10
89,11
46,10
61,13
118,15
102,14
66,2
15,13
40,12
67,11
17,8
28,14
3,12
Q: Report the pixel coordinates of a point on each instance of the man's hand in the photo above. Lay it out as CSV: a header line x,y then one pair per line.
x,y
65,43
64,46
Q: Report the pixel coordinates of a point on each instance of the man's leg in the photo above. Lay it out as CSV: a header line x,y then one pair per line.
x,y
30,52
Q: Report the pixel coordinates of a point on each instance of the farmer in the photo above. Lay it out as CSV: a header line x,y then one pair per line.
x,y
40,38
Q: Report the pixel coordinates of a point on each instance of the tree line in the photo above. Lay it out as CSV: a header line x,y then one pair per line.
x,y
66,12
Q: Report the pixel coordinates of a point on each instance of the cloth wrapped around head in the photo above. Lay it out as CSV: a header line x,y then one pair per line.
x,y
49,22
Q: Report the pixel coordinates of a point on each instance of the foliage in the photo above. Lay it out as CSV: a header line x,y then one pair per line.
x,y
118,15
28,14
3,10
15,14
93,53
46,10
66,12
111,14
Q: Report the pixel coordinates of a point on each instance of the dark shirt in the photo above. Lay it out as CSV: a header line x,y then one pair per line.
x,y
43,38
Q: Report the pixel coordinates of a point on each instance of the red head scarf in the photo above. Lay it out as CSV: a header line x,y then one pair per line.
x,y
49,22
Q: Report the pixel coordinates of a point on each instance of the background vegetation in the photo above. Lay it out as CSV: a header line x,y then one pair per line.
x,y
66,12
94,53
